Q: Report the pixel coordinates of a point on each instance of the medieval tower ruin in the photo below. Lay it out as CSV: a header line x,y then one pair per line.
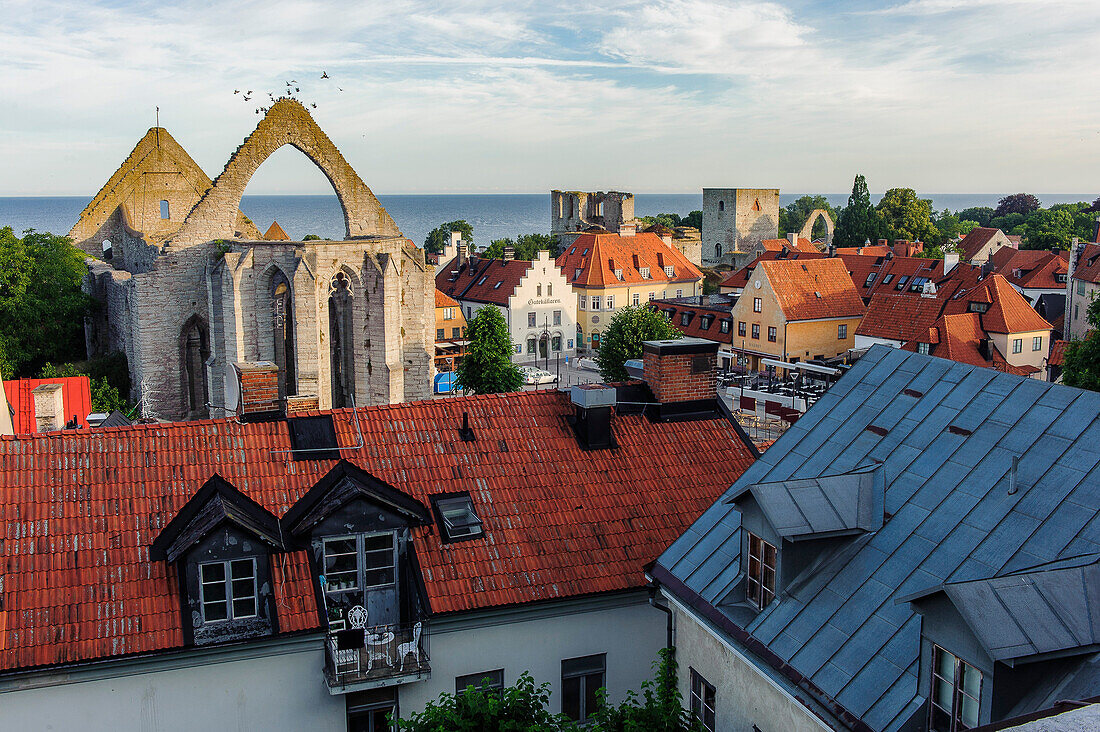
x,y
574,212
735,220
190,288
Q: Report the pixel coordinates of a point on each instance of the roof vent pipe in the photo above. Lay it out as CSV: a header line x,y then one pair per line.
x,y
465,432
1012,479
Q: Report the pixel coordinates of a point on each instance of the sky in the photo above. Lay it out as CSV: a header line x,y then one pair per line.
x,y
959,96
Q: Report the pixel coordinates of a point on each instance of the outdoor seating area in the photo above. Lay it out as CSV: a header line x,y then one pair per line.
x,y
359,655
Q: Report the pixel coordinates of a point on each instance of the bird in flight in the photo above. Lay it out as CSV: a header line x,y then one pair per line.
x,y
324,74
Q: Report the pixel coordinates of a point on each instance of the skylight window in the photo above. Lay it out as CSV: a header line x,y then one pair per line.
x,y
497,285
313,438
887,278
482,280
901,281
573,250
458,521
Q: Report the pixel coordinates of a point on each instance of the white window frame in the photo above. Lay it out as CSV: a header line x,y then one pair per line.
x,y
1036,343
231,597
703,700
637,299
610,302
1017,345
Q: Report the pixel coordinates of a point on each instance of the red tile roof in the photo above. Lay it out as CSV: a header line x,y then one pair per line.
x,y
596,256
1031,268
740,278
889,272
1057,354
276,233
813,288
899,317
959,338
81,509
1088,266
803,245
76,394
443,300
482,280
711,316
870,250
1008,311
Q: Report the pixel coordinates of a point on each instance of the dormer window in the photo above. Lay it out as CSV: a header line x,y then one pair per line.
x,y
618,274
359,561
956,693
644,272
978,307
228,590
670,271
457,518
760,574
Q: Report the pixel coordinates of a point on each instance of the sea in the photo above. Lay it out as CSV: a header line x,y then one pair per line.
x,y
493,216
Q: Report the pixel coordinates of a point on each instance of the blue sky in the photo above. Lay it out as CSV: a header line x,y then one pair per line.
x,y
510,96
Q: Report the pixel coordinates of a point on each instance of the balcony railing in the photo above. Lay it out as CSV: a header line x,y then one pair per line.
x,y
380,655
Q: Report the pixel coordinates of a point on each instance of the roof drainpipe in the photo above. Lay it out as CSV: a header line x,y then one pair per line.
x,y
1012,480
653,589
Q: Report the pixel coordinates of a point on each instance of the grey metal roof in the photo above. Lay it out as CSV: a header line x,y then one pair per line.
x,y
946,433
831,504
1029,613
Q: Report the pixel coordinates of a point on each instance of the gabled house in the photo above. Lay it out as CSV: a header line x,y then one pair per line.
x,y
796,310
917,552
736,281
982,242
610,271
450,332
704,316
1082,284
321,569
1033,272
534,296
892,274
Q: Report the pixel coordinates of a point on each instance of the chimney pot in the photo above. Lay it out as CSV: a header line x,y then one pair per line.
x,y
793,239
49,407
509,254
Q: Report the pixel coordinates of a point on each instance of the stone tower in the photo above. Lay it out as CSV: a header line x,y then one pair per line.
x,y
190,287
735,220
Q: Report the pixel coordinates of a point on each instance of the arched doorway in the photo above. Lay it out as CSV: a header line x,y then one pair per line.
x,y
282,333
194,351
595,340
544,345
341,340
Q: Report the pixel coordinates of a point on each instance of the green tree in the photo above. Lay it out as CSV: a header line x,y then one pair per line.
x,y
42,307
792,217
668,220
660,708
439,236
526,246
487,367
623,338
106,396
858,221
981,214
950,226
1021,203
906,216
311,237
1081,367
520,708
694,220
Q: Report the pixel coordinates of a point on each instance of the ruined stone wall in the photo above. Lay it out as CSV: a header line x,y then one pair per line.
x,y
286,123
572,211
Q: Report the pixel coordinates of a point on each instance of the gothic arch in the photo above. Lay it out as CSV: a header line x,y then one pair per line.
x,y
286,123
808,227
343,289
276,302
194,346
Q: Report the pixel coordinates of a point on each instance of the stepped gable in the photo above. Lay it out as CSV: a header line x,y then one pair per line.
x,y
287,122
157,169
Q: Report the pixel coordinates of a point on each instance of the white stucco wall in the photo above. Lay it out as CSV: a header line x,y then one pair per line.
x,y
277,692
743,695
863,341
630,635
526,298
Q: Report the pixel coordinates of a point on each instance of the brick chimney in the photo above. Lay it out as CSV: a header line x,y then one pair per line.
x,y
683,376
259,381
628,228
49,407
298,404
461,249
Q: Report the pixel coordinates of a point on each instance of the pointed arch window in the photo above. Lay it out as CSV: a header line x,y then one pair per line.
x,y
194,352
341,341
282,324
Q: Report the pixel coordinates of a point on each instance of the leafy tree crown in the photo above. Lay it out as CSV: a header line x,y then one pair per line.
x,y
487,367
622,340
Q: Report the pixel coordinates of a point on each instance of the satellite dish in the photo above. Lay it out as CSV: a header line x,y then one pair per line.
x,y
756,284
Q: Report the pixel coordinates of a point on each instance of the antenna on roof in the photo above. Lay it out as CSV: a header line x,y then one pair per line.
x,y
157,128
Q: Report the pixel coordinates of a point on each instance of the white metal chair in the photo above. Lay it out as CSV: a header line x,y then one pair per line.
x,y
344,660
411,648
357,617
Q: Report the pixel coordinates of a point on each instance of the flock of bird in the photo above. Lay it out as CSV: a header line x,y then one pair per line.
x,y
292,88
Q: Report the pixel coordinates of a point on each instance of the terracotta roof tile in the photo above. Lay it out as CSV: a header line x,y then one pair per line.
x,y
1032,268
82,507
482,280
1088,266
711,316
443,300
973,242
1008,311
592,259
813,288
899,317
275,233
1057,353
740,278
890,272
803,245
959,338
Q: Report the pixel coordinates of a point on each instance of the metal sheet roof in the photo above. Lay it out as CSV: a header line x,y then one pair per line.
x,y
830,504
951,431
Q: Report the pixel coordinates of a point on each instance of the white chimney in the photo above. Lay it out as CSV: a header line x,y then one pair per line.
x,y
950,260
49,407
793,239
628,228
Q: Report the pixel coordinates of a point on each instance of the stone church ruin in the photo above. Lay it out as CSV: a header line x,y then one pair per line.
x,y
190,288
